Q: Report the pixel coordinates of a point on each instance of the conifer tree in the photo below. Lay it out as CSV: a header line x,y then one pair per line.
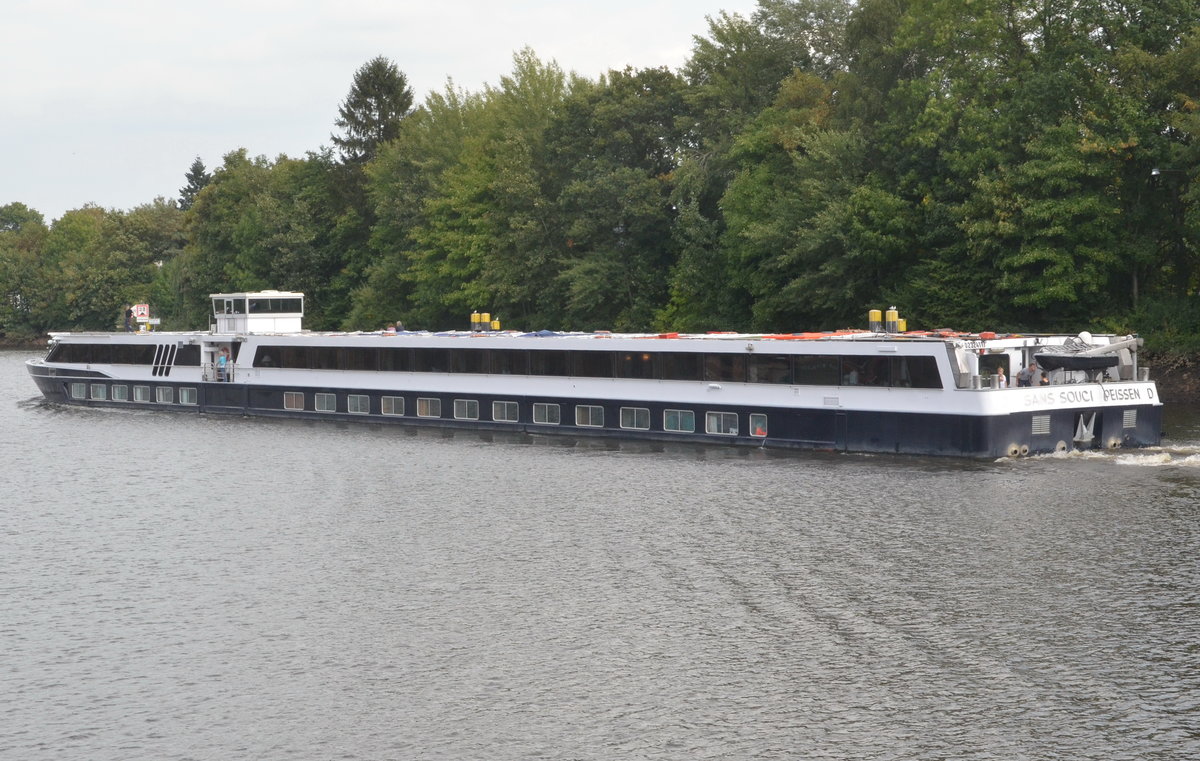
x,y
197,178
370,116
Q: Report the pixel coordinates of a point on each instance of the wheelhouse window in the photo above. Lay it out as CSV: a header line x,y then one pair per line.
x,y
635,418
506,412
680,421
99,391
141,393
358,404
721,423
293,400
391,405
428,407
758,425
187,396
589,415
164,394
325,402
120,393
466,409
546,414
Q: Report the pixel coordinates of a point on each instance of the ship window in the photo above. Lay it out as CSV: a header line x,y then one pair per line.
x,y
547,363
396,360
510,362
636,418
546,414
725,367
916,372
758,425
723,423
682,421
506,412
817,370
359,404
357,358
187,396
467,360
120,393
293,400
635,365
392,405
770,369
164,394
679,366
188,355
99,391
592,364
431,361
466,409
141,393
589,415
427,407
79,391
325,402
323,358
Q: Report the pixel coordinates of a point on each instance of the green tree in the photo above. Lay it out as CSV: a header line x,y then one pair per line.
x,y
378,101
197,177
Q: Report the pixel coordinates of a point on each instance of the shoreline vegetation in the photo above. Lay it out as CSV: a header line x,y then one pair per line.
x,y
1007,168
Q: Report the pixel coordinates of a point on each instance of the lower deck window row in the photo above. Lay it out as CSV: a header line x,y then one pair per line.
x,y
541,413
119,392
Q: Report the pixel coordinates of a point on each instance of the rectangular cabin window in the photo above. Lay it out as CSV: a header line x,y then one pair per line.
x,y
684,367
187,396
468,360
546,414
323,358
549,362
817,370
164,394
396,360
721,423
769,369
293,357
592,364
915,372
635,418
79,391
358,404
758,424
509,362
730,368
358,358
637,364
506,412
141,393
120,393
589,415
99,391
325,402
680,421
391,405
866,371
429,407
293,400
466,409
187,355
431,361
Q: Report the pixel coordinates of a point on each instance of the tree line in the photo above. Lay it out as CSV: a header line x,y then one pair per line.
x,y
1001,164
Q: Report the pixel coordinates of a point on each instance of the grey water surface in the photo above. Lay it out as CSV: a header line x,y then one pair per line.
x,y
176,586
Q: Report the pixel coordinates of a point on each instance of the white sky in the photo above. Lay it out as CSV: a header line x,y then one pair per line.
x,y
109,101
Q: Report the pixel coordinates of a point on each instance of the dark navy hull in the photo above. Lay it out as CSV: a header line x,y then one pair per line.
x,y
797,428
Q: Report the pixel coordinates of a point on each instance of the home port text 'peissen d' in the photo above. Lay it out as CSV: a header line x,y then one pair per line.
x,y
876,390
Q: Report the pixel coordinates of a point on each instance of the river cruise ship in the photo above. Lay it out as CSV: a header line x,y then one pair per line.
x,y
883,389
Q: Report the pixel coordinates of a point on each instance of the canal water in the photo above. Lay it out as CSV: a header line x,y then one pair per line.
x,y
194,587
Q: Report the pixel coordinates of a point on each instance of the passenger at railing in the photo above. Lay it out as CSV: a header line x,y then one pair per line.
x,y
1045,381
222,365
1026,375
1003,383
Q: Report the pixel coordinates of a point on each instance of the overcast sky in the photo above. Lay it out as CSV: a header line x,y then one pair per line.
x,y
109,101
